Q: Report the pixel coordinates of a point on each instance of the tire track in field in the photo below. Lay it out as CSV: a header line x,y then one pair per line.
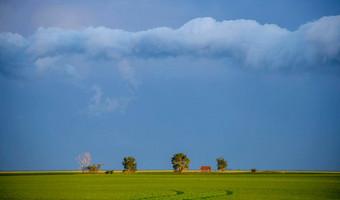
x,y
228,192
178,192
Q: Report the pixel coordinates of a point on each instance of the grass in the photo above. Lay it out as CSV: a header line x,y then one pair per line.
x,y
167,185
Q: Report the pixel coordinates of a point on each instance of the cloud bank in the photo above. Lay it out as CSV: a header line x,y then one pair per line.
x,y
314,46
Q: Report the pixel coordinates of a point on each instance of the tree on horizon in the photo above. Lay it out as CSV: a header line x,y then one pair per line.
x,y
180,162
84,161
129,164
221,164
94,169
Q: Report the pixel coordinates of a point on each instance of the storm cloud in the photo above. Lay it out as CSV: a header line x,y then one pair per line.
x,y
314,46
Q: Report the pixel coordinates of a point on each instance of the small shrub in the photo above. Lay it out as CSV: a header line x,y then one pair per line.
x,y
109,172
253,170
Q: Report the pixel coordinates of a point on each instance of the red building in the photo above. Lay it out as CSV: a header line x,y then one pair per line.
x,y
205,169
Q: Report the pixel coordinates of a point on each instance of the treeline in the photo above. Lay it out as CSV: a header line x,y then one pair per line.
x,y
180,162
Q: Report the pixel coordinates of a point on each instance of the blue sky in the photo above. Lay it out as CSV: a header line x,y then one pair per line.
x,y
254,82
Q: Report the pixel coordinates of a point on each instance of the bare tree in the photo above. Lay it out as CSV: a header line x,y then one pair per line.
x,y
84,161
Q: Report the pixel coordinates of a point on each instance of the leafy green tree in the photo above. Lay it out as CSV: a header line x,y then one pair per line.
x,y
129,164
180,162
221,164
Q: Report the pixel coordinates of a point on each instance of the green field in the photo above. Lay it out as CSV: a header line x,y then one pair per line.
x,y
166,185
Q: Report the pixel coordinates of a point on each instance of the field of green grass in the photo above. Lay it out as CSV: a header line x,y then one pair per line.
x,y
167,185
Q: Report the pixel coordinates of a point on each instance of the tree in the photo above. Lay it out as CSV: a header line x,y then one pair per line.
x,y
221,164
180,162
98,167
91,168
94,169
129,164
84,161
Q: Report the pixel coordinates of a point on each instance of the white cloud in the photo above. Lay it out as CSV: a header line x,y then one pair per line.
x,y
128,73
324,37
101,106
314,46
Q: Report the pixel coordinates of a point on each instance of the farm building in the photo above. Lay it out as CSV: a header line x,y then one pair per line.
x,y
205,169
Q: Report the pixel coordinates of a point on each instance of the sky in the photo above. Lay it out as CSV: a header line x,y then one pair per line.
x,y
254,82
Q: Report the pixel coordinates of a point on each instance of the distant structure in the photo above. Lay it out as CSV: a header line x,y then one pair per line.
x,y
205,169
